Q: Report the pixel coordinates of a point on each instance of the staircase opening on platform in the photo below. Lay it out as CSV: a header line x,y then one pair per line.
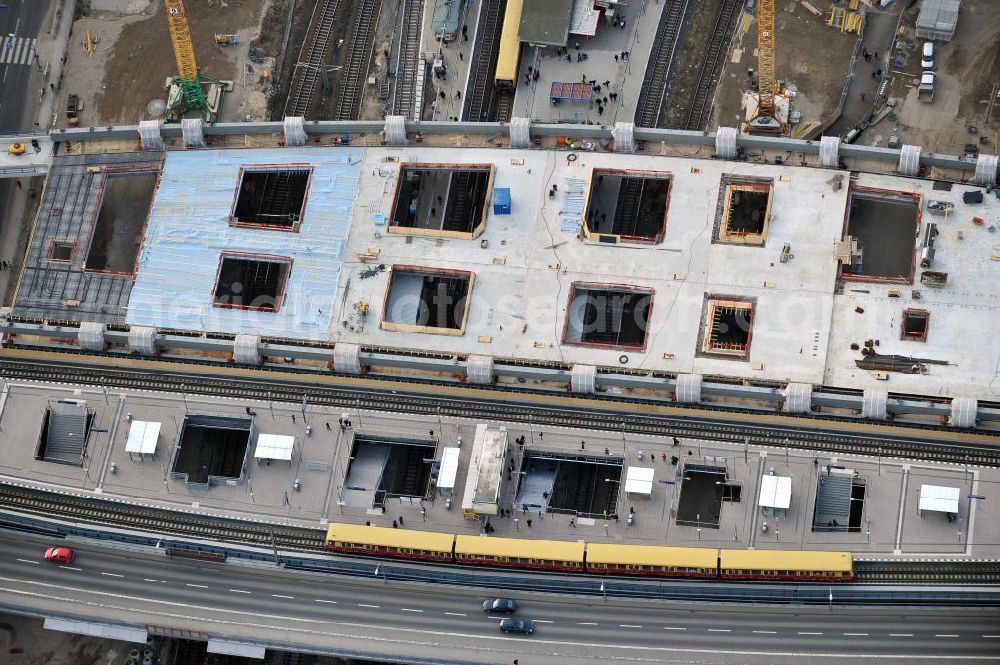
x,y
744,211
271,196
628,206
432,300
211,449
608,316
251,281
388,468
727,327
442,200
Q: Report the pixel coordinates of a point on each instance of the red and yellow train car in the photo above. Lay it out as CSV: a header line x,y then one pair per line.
x,y
559,555
652,560
801,565
378,540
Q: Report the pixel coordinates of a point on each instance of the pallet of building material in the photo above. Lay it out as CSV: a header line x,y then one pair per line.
x,y
853,22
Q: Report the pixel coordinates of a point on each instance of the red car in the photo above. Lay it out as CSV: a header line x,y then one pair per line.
x,y
60,555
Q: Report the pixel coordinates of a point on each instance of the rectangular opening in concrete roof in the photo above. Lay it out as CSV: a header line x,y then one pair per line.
x,y
744,211
120,220
628,206
251,281
271,196
883,227
915,325
61,251
442,200
427,300
606,315
727,327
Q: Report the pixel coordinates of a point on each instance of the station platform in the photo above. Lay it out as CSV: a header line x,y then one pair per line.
x,y
310,490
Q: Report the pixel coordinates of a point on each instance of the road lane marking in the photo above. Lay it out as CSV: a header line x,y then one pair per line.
x,y
320,627
146,579
239,591
71,568
278,595
628,625
371,606
407,609
591,623
541,621
802,632
944,635
28,561
993,637
900,634
456,614
856,634
320,600
766,632
719,630
197,586
112,575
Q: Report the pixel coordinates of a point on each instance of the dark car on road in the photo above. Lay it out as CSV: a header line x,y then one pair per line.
x,y
520,626
499,606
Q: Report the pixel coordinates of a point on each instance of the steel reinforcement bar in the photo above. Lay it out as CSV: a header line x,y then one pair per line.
x,y
511,405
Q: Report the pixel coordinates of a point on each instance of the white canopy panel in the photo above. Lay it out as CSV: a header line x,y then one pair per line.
x,y
274,446
449,468
939,499
142,437
639,480
775,492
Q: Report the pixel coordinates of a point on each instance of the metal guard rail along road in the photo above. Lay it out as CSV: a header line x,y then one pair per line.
x,y
985,573
507,403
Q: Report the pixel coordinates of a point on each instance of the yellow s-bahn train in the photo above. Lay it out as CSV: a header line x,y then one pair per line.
x,y
510,47
598,558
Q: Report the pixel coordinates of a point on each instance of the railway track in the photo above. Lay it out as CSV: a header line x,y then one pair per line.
x,y
358,59
408,60
512,405
482,99
312,59
660,70
711,63
110,513
930,572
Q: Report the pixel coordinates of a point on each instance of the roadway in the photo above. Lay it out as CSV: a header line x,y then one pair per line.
x,y
419,623
24,19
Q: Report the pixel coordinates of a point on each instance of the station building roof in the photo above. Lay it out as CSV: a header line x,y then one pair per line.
x,y
545,22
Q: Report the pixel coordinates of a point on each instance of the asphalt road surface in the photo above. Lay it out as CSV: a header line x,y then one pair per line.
x,y
394,621
20,25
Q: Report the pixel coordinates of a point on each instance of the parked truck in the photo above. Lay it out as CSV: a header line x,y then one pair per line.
x,y
925,92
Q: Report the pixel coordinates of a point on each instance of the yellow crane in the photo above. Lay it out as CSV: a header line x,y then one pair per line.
x,y
188,87
765,120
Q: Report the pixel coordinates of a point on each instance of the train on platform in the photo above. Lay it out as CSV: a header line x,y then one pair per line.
x,y
594,558
510,47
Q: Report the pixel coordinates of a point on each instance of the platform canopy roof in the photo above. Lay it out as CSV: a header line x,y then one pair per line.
x,y
142,437
274,446
775,492
939,499
639,480
449,468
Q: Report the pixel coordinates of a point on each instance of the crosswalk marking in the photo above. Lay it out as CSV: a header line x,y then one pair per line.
x,y
17,50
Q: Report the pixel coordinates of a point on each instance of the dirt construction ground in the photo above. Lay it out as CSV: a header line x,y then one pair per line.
x,y
133,56
810,56
967,68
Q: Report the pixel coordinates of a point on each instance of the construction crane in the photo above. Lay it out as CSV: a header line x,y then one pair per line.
x,y
186,91
765,120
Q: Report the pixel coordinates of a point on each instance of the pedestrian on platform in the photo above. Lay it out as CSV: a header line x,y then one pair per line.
x,y
395,524
528,521
607,451
572,522
583,445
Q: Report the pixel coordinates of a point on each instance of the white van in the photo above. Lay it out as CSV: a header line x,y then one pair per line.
x,y
927,61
